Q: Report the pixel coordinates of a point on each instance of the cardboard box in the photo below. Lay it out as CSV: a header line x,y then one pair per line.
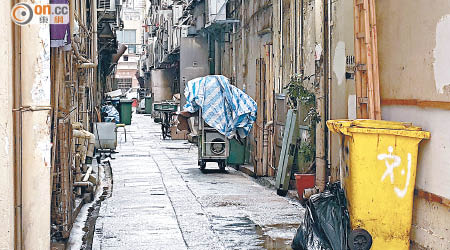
x,y
178,135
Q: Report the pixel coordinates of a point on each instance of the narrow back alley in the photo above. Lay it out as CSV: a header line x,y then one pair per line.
x,y
225,124
161,200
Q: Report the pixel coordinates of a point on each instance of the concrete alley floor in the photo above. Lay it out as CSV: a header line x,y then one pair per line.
x,y
161,200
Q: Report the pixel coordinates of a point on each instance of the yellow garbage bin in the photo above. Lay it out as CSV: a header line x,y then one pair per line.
x,y
378,171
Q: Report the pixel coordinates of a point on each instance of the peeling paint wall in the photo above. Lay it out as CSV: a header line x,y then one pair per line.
x,y
342,99
6,133
441,54
413,49
35,81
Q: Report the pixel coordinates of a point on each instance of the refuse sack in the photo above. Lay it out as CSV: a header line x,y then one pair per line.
x,y
110,113
326,223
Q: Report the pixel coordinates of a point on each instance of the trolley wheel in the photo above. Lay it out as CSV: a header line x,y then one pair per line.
x,y
222,165
163,131
359,239
202,165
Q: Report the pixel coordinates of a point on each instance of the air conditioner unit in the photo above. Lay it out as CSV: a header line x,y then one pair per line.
x,y
106,5
215,145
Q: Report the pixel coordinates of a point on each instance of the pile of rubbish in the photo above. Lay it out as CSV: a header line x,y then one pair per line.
x,y
326,224
110,113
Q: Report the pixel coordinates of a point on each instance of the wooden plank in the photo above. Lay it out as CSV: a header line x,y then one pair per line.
x,y
88,173
270,110
415,102
358,77
263,118
432,197
376,76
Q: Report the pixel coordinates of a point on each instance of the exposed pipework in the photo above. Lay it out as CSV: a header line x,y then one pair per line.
x,y
84,136
17,131
320,95
120,52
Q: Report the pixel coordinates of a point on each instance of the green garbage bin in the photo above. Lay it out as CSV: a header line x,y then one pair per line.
x,y
148,104
125,111
237,153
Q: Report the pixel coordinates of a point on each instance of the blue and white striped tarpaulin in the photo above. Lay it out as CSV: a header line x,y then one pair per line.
x,y
224,107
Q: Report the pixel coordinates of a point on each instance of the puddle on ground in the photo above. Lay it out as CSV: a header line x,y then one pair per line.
x,y
276,237
237,232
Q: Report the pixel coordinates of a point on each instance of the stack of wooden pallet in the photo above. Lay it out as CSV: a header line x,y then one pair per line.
x,y
366,57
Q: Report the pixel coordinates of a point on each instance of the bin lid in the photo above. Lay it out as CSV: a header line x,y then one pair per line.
x,y
125,101
377,126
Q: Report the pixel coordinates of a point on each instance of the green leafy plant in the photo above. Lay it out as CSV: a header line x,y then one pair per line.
x,y
301,93
307,150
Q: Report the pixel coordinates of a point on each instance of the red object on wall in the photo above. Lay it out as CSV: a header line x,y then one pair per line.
x,y
304,181
135,103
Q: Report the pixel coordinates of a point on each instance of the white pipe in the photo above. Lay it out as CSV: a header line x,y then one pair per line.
x,y
84,136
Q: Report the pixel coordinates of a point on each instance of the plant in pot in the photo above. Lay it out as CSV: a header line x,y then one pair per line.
x,y
301,93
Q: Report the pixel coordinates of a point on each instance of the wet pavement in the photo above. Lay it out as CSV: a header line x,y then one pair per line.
x,y
161,200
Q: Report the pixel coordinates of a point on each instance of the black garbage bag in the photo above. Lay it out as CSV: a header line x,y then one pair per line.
x,y
326,223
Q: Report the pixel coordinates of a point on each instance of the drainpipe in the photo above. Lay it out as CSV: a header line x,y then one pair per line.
x,y
302,66
33,148
95,53
218,58
17,130
234,55
280,69
9,193
320,95
334,171
72,17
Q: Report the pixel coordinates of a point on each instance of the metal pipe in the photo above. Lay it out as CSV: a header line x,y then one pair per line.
x,y
334,176
17,132
72,18
320,95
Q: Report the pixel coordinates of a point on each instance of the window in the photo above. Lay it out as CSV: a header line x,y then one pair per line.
x,y
124,83
128,37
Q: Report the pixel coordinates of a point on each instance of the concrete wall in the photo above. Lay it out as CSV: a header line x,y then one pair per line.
x,y
342,101
36,155
161,80
6,133
193,61
249,42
